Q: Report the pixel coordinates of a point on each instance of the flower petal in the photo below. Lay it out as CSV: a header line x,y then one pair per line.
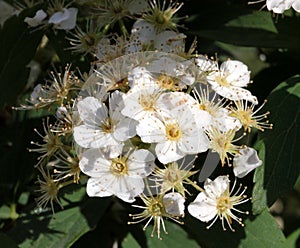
x,y
94,163
203,208
92,112
245,162
174,203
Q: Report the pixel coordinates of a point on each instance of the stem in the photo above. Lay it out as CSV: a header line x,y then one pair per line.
x,y
13,212
123,28
61,185
105,29
191,87
194,185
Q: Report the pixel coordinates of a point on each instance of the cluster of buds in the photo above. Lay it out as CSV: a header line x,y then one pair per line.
x,y
136,125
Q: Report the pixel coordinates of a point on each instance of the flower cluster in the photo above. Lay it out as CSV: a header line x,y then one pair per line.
x,y
149,108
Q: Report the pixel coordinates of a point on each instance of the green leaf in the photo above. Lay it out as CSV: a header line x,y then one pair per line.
x,y
263,231
176,237
5,212
292,239
282,144
130,242
63,228
256,30
261,20
18,46
259,194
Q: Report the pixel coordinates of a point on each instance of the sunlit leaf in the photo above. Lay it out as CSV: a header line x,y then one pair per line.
x,y
263,231
130,242
61,229
176,237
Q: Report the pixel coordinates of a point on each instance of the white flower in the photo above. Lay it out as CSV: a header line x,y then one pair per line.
x,y
214,112
144,37
121,176
245,162
40,15
296,5
140,78
279,6
140,104
205,64
174,204
229,80
174,72
65,19
175,131
217,202
170,206
103,128
169,42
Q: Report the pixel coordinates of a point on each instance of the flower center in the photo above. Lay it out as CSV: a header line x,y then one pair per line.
x,y
118,167
224,204
222,81
173,131
89,40
245,117
107,126
172,176
147,102
156,208
203,107
166,82
121,85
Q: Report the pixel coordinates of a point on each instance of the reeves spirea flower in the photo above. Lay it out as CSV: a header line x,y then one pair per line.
x,y
175,130
103,127
228,81
121,176
157,208
247,116
145,37
213,107
174,177
218,201
222,143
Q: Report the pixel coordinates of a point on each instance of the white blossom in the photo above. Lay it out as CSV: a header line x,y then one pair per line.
x,y
217,201
103,127
230,79
121,176
175,131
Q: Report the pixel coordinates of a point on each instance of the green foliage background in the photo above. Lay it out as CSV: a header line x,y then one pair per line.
x,y
269,45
